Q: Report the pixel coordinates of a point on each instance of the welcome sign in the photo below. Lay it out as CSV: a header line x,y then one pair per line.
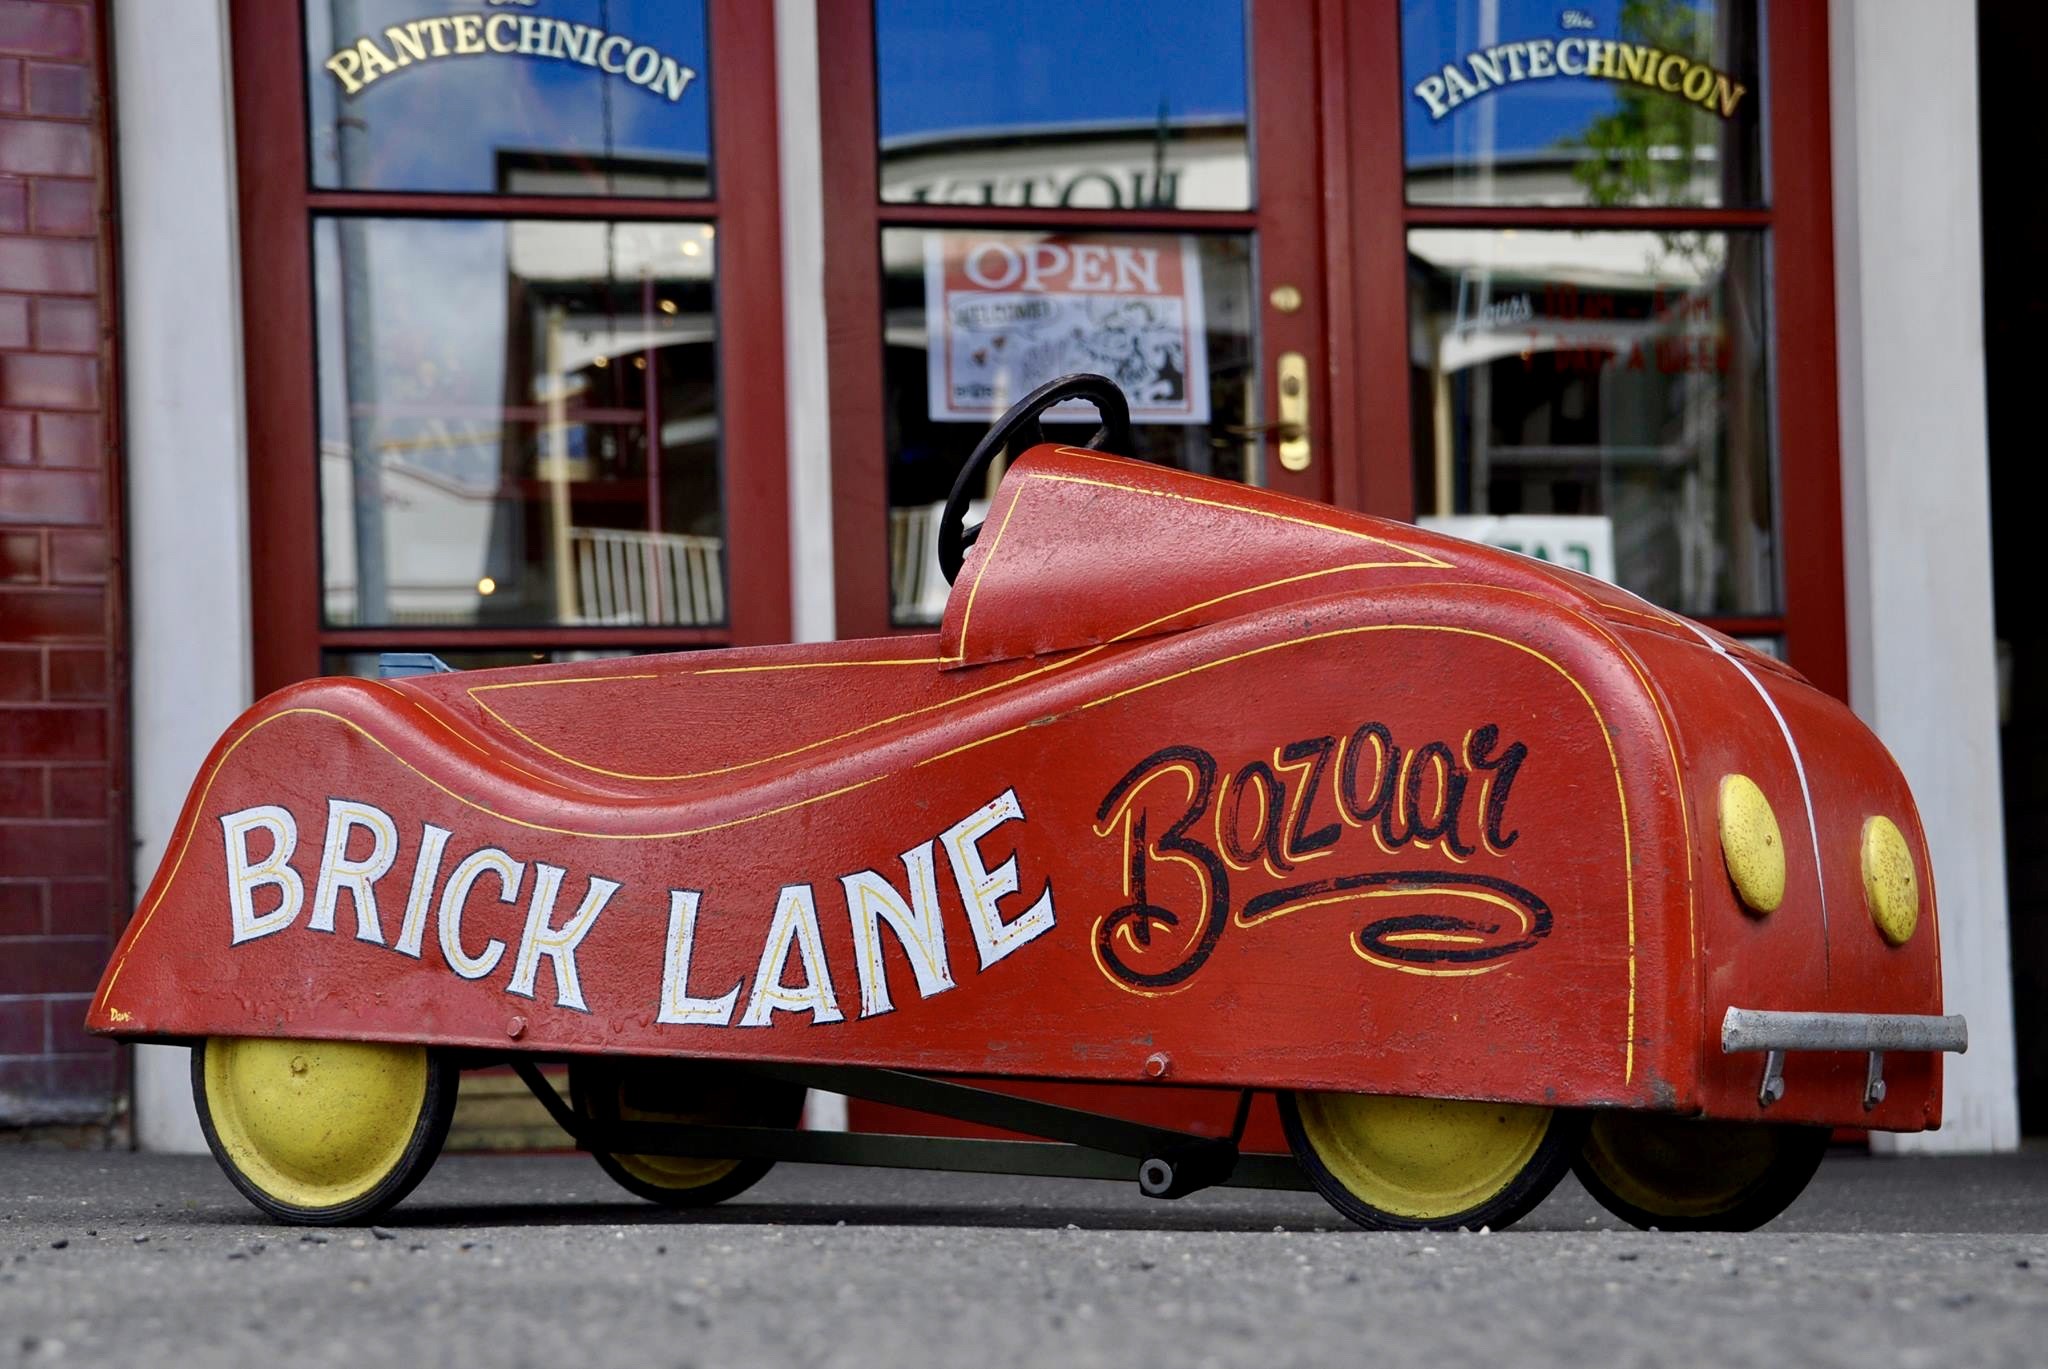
x,y
420,41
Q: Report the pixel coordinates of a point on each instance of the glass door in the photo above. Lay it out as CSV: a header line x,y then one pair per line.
x,y
490,258
1018,192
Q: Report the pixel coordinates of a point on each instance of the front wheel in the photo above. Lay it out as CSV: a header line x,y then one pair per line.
x,y
1688,1174
1428,1164
322,1133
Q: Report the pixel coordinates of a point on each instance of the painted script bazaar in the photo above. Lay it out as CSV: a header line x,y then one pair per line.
x,y
472,35
1539,59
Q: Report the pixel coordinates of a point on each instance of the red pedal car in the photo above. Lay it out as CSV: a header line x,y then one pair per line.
x,y
1487,870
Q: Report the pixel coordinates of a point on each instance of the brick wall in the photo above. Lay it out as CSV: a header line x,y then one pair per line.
x,y
63,735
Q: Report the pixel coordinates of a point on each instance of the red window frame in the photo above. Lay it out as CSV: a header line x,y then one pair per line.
x,y
1355,62
278,204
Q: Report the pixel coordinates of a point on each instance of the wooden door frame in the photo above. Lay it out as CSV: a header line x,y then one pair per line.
x,y
1800,220
277,206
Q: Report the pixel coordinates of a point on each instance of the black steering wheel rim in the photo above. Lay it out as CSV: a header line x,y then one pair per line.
x,y
1023,418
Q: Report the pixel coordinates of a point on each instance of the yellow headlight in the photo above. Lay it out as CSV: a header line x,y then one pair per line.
x,y
1891,887
1751,844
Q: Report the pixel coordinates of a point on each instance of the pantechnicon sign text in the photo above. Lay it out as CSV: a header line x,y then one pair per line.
x,y
1539,59
474,35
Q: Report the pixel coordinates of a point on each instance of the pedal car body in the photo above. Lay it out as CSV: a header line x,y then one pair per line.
x,y
1197,785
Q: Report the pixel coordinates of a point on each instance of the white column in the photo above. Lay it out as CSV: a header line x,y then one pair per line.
x,y
803,313
1916,489
186,452
801,143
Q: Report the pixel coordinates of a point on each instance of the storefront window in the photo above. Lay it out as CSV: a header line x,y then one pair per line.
x,y
1064,104
582,97
519,423
976,318
1601,103
1605,393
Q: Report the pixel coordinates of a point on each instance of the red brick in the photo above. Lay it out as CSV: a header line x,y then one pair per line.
x,y
67,325
52,734
14,322
50,849
10,86
78,558
59,89
39,964
82,907
13,205
44,30
32,381
65,207
78,791
44,498
64,1020
44,266
78,673
21,908
21,675
33,147
21,558
22,1030
21,792
68,439
53,615
84,1081
17,438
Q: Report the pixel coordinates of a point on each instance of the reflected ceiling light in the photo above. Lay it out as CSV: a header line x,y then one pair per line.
x,y
601,362
691,248
639,363
487,586
668,306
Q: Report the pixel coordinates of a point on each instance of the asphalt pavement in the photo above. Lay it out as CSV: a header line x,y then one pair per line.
x,y
538,1261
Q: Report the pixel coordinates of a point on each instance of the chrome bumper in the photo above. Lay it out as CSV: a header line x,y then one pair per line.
x,y
1774,1033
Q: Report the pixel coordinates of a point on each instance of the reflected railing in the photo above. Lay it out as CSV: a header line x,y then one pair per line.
x,y
625,578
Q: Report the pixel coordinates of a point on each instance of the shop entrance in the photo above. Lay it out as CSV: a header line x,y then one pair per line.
x,y
1557,277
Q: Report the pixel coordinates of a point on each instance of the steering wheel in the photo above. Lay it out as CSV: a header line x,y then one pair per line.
x,y
1114,437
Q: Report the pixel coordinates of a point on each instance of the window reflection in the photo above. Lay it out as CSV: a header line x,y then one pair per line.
x,y
518,423
589,97
1067,103
1601,102
974,319
1615,377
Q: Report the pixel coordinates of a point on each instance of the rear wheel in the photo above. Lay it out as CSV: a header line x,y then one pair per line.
x,y
1416,1164
1688,1174
664,1091
322,1133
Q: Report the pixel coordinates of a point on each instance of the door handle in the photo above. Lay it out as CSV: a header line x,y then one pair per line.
x,y
1290,429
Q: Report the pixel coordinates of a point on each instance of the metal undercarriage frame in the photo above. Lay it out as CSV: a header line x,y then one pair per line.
x,y
1077,1144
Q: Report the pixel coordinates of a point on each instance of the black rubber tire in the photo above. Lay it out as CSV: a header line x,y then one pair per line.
x,y
1521,1195
437,1110
595,1091
1627,1149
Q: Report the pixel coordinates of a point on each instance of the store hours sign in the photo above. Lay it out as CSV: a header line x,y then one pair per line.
x,y
1006,312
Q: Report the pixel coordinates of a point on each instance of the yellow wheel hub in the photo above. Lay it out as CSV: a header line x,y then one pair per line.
x,y
1677,1167
314,1123
1421,1158
671,1171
